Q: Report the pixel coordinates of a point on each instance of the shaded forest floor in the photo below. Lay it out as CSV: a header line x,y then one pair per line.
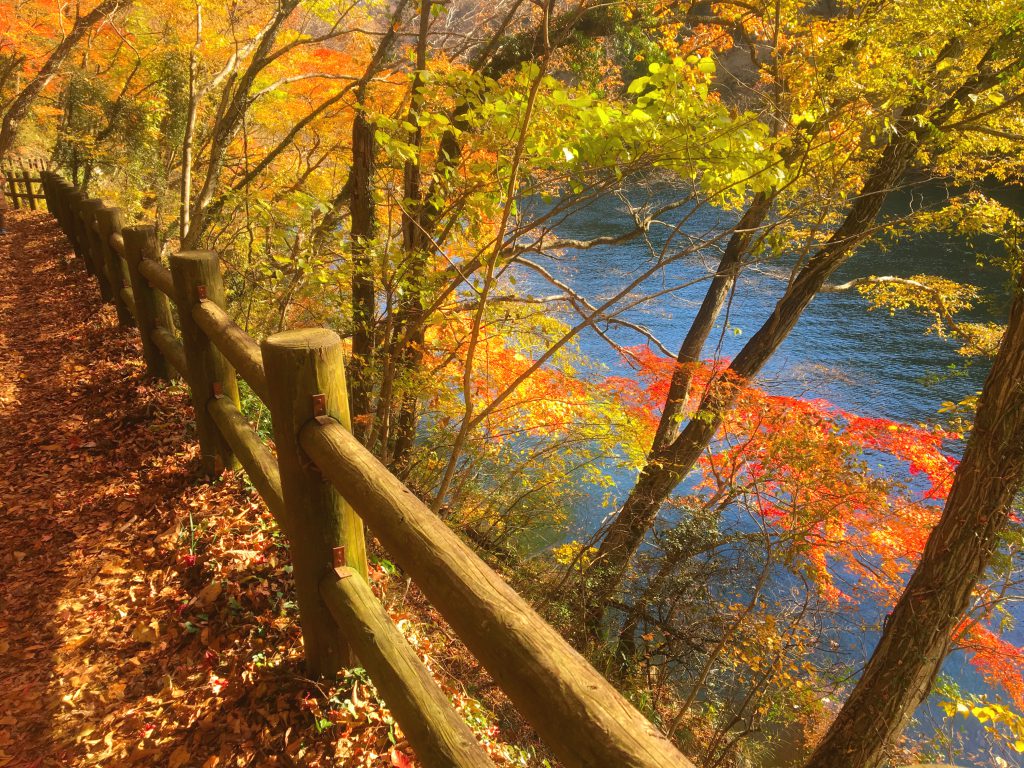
x,y
145,615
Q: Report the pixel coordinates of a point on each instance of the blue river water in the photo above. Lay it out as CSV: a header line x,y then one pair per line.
x,y
867,362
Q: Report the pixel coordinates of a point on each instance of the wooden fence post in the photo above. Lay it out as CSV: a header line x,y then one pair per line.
x,y
44,184
64,190
62,194
12,190
27,178
306,379
50,190
197,277
75,202
75,199
94,249
151,309
108,223
48,183
60,189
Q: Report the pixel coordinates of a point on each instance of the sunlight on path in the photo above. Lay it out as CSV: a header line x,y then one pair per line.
x,y
146,617
74,445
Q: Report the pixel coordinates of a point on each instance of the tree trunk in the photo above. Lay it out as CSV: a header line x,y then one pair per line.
x,y
364,230
918,633
185,191
668,466
415,244
692,346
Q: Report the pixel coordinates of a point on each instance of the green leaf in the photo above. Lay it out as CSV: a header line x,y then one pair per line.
x,y
638,85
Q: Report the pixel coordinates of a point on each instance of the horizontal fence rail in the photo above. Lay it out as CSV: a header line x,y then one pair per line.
x,y
236,345
542,674
21,181
256,458
322,485
399,675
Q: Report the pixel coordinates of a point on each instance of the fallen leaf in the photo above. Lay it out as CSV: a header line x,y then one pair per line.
x,y
146,633
179,757
400,759
208,595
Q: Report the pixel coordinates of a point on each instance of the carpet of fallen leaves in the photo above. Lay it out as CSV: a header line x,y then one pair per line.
x,y
146,616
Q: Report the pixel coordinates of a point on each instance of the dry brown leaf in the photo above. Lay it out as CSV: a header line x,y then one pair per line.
x,y
179,757
208,595
146,633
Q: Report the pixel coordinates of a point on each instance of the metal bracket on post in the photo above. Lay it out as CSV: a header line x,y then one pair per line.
x,y
339,563
319,405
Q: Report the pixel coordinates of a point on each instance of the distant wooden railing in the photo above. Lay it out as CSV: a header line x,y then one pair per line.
x,y
322,485
22,181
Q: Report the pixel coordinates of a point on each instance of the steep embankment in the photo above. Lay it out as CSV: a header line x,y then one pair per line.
x,y
144,616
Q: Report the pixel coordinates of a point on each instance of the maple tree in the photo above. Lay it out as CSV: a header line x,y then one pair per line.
x,y
799,469
949,90
27,37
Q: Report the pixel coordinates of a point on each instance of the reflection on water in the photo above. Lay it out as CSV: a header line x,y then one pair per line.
x,y
870,363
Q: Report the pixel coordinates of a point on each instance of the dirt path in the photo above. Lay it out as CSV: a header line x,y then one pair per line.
x,y
145,617
86,449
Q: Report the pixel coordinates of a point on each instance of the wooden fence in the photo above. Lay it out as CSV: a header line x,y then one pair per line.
x,y
21,183
323,485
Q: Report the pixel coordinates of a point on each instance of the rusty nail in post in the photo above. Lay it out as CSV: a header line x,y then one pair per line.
x,y
319,405
218,389
201,292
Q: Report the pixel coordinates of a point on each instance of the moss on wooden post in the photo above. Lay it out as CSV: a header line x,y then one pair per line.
x,y
108,222
196,277
151,306
306,379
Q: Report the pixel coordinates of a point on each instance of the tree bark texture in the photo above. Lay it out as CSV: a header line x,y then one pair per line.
x,y
918,633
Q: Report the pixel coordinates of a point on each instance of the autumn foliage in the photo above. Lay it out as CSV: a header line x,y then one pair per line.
x,y
852,498
411,174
